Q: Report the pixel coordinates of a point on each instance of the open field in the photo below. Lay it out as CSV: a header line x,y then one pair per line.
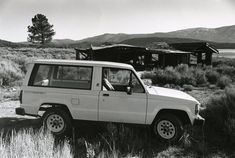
x,y
210,85
104,140
114,140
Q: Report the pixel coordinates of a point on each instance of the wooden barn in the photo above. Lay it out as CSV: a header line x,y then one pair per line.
x,y
201,52
142,58
139,57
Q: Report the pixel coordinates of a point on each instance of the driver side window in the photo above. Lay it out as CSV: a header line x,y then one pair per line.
x,y
119,79
136,85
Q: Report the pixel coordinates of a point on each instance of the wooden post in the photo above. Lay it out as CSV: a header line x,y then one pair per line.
x,y
208,58
199,58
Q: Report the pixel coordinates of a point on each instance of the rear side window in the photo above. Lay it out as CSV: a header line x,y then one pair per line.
x,y
58,76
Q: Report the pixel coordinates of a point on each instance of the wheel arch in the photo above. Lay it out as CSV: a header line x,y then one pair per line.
x,y
182,115
45,106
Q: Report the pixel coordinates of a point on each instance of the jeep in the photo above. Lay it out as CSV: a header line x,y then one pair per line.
x,y
67,90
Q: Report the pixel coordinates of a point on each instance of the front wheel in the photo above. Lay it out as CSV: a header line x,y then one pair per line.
x,y
168,127
56,121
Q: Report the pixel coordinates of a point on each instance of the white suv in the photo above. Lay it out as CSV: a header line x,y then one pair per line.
x,y
103,91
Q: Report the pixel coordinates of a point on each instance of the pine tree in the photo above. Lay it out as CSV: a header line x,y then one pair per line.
x,y
40,31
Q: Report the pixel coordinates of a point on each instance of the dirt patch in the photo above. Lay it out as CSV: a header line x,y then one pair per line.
x,y
9,120
7,108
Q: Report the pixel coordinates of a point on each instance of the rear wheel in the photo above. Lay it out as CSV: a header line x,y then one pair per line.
x,y
57,121
168,127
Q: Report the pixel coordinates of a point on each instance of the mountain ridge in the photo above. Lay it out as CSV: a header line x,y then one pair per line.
x,y
225,34
221,36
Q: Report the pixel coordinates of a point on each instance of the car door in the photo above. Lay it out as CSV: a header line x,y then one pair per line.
x,y
115,105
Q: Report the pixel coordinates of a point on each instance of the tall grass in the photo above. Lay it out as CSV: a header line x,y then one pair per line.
x,y
117,141
27,143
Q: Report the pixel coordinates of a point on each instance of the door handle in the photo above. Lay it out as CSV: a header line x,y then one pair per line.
x,y
105,95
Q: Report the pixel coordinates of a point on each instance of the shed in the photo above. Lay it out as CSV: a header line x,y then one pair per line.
x,y
140,58
201,51
169,57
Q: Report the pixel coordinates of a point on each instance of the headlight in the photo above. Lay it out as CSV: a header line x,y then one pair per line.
x,y
197,109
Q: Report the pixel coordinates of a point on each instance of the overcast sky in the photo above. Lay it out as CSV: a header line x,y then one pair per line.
x,y
77,19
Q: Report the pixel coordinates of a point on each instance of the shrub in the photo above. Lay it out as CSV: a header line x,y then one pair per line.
x,y
179,75
224,81
171,76
186,74
217,62
220,119
212,76
147,75
226,70
158,77
187,79
182,69
164,76
199,76
22,62
188,87
9,72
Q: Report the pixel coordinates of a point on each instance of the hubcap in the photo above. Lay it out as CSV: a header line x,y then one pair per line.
x,y
166,129
55,123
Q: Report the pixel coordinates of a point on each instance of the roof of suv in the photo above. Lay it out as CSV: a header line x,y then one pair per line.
x,y
83,62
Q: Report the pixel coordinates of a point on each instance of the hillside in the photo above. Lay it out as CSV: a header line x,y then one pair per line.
x,y
218,35
147,41
113,38
4,43
223,37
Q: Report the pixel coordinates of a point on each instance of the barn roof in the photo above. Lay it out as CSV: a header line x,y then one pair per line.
x,y
115,46
125,47
197,47
168,51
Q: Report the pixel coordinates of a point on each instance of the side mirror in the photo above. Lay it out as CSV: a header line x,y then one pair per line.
x,y
129,90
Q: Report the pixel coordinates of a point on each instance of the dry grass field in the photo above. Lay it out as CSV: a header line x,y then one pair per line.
x,y
96,140
21,136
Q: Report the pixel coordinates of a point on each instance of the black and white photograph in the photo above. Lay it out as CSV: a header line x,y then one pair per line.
x,y
117,78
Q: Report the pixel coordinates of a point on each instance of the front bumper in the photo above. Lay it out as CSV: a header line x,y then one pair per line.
x,y
199,121
20,111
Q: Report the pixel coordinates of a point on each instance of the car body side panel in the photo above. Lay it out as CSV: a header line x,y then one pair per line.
x,y
83,104
121,107
157,103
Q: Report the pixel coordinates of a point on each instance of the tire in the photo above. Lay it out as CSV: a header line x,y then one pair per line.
x,y
168,127
57,121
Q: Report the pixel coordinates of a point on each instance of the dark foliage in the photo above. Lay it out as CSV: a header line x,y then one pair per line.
x,y
40,31
212,76
220,119
224,81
